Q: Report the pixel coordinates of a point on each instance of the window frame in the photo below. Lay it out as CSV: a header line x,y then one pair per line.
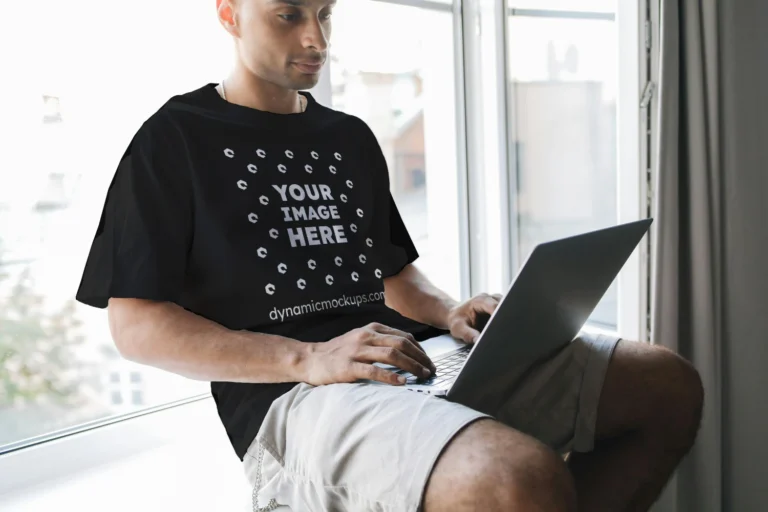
x,y
633,163
632,189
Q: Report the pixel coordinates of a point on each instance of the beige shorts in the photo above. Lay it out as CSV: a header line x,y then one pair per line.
x,y
361,447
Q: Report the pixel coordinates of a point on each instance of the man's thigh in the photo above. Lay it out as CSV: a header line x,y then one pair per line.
x,y
557,400
351,447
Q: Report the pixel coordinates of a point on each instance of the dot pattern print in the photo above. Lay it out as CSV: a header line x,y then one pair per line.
x,y
287,180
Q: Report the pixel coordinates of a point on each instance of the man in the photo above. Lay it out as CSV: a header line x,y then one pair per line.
x,y
249,239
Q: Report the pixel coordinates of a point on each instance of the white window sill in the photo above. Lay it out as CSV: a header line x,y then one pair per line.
x,y
594,329
174,459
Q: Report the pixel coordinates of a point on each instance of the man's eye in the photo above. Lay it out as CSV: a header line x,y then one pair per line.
x,y
288,17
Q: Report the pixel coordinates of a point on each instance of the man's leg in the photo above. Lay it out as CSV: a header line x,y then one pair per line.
x,y
491,467
363,447
647,420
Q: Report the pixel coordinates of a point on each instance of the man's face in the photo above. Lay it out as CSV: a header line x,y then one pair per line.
x,y
284,41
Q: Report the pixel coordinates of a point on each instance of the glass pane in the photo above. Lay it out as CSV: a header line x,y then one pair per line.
x,y
137,397
70,103
563,88
403,87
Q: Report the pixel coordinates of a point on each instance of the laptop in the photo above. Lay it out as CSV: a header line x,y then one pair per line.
x,y
543,310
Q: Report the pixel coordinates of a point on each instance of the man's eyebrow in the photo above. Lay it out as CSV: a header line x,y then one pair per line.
x,y
297,3
294,3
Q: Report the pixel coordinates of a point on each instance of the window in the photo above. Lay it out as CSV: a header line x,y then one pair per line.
x,y
137,397
69,120
539,95
403,86
553,127
67,116
563,87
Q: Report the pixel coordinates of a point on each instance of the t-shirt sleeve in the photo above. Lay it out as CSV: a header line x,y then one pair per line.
x,y
397,248
142,241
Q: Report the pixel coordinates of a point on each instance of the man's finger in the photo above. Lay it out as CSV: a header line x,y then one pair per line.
x,y
370,372
497,296
381,354
466,333
383,329
485,305
390,340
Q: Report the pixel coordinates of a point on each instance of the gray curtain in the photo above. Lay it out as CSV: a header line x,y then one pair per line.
x,y
710,297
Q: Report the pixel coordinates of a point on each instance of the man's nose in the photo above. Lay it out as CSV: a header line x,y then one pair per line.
x,y
315,36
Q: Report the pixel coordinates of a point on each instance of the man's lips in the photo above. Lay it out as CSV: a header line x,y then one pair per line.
x,y
309,67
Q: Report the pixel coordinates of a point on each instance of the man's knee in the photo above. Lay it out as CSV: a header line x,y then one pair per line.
x,y
489,466
651,389
685,397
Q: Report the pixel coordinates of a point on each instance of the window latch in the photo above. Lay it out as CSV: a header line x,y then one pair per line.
x,y
647,95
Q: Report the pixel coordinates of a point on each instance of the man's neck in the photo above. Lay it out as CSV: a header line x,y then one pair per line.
x,y
248,90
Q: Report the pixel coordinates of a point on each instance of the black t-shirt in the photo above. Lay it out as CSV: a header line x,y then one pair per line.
x,y
274,223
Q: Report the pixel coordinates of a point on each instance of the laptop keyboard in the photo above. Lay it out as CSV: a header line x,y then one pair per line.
x,y
447,369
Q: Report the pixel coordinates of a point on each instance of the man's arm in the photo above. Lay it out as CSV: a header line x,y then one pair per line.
x,y
411,294
166,336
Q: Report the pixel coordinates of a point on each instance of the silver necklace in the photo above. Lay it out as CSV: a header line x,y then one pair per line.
x,y
302,99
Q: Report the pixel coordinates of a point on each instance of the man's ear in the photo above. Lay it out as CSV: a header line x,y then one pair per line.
x,y
226,14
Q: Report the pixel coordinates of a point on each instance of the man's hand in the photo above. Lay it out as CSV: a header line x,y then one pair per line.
x,y
348,357
462,319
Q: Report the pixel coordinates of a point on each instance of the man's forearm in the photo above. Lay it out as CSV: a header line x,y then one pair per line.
x,y
414,296
169,337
